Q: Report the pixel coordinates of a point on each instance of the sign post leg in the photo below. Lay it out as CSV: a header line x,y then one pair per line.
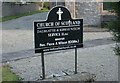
x,y
43,66
75,60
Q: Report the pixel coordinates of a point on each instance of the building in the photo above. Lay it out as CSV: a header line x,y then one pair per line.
x,y
90,12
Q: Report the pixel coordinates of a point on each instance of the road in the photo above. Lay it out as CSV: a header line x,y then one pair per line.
x,y
18,38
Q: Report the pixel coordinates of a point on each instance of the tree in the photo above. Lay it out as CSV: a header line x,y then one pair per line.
x,y
114,26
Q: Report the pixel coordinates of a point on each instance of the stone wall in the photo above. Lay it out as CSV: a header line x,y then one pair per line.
x,y
90,12
13,9
71,7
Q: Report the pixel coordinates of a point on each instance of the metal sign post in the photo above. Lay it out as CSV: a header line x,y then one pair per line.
x,y
75,60
43,65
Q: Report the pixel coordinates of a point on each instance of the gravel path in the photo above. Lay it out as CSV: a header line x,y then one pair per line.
x,y
98,61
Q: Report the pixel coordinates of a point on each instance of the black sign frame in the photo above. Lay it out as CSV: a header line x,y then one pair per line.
x,y
41,38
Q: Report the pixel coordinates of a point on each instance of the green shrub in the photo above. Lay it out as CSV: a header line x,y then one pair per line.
x,y
46,5
8,75
114,26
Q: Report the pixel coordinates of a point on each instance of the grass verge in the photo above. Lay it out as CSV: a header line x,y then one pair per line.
x,y
8,75
6,18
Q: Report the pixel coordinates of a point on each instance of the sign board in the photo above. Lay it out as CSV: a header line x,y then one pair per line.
x,y
58,32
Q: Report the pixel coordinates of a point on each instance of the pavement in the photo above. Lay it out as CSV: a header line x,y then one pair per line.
x,y
96,60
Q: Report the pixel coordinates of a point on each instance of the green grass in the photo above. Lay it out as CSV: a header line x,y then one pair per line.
x,y
6,18
8,75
